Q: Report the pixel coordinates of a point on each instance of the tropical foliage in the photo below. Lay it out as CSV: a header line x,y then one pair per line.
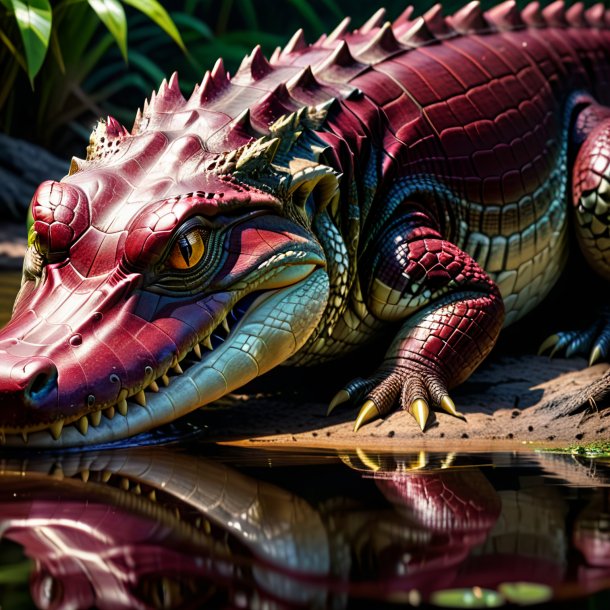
x,y
63,63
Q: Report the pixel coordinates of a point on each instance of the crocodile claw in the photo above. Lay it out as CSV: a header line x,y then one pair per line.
x,y
447,405
339,398
420,411
368,412
548,343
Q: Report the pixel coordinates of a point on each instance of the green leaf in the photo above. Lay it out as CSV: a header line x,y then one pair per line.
x,y
34,19
154,10
112,15
147,66
190,22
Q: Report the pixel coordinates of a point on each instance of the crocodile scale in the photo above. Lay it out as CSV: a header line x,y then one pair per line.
x,y
414,177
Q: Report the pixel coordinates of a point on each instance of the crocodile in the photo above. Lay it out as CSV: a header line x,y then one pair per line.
x,y
414,177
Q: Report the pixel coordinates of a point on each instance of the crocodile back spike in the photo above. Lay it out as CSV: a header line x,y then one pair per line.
x,y
296,43
575,15
532,15
505,16
469,19
376,20
417,34
339,32
595,16
436,22
382,45
555,14
253,67
404,19
340,65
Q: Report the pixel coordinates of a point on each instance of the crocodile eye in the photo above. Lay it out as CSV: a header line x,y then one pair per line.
x,y
187,250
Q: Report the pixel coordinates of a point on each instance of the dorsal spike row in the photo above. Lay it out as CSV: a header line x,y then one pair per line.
x,y
505,16
469,19
376,20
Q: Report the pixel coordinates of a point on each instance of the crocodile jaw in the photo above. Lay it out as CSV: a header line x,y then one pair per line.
x,y
272,330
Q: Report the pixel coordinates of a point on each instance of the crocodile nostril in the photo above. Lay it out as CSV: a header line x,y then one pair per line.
x,y
42,384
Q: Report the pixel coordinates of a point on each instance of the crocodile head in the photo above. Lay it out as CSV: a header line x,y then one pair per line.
x,y
159,276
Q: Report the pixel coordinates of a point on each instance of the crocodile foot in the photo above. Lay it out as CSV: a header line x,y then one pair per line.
x,y
593,340
412,388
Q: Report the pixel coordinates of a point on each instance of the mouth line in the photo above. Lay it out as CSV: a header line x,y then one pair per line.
x,y
128,399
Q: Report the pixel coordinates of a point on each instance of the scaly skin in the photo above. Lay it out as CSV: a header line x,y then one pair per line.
x,y
413,175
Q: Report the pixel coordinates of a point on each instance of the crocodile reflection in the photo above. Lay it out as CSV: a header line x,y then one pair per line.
x,y
156,528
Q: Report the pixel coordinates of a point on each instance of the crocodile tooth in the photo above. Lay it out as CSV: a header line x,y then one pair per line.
x,y
96,418
177,369
84,475
24,436
56,428
83,425
122,407
152,496
57,472
140,398
106,474
153,387
137,489
124,484
164,380
225,325
197,350
207,343
109,412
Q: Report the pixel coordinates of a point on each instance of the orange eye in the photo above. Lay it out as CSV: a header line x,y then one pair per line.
x,y
187,251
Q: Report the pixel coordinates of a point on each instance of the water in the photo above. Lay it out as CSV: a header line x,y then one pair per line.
x,y
193,524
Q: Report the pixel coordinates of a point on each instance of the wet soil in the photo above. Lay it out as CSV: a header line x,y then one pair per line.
x,y
509,404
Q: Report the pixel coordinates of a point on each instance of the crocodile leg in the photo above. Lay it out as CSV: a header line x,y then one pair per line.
x,y
451,313
591,202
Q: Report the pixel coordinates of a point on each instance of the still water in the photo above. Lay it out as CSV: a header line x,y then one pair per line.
x,y
194,524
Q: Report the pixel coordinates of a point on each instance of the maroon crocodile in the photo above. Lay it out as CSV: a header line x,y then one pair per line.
x,y
411,175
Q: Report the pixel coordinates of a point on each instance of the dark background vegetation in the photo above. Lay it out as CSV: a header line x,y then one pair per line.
x,y
85,75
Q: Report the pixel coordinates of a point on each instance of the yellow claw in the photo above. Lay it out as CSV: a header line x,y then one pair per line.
x,y
340,397
420,411
596,354
547,344
368,412
448,405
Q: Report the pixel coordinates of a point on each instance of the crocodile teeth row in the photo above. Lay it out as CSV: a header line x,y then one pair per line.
x,y
122,406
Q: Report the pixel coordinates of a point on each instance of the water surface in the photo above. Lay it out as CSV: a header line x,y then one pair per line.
x,y
196,524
